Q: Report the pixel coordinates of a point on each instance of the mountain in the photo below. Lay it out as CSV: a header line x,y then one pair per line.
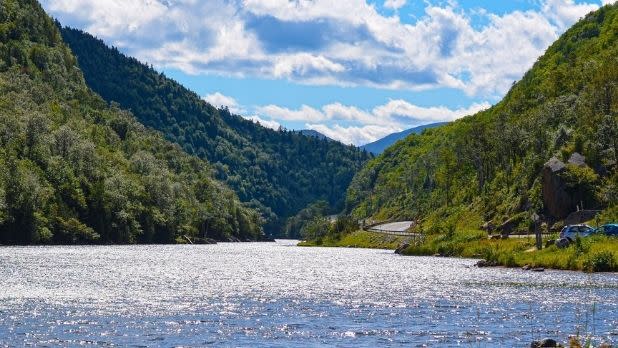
x,y
277,172
378,146
75,170
548,147
314,133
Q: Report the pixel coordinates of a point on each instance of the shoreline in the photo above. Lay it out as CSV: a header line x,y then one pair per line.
x,y
591,254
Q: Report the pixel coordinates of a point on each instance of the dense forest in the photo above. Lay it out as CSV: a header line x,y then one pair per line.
x,y
489,167
277,172
75,170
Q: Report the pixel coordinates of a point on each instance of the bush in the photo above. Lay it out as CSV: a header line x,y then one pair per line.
x,y
603,261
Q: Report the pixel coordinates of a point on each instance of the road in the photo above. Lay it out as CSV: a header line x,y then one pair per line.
x,y
395,228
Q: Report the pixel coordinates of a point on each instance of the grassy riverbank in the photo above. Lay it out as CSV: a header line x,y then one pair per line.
x,y
592,254
359,239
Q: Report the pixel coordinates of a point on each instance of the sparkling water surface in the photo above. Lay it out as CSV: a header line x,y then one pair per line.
x,y
280,295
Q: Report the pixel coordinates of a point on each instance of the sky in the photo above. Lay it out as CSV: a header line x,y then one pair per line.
x,y
354,70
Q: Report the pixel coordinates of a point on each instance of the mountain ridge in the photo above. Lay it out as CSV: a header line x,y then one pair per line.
x,y
378,146
78,171
276,172
486,169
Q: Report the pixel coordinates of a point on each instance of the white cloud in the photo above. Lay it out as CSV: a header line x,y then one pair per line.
x,y
266,123
219,100
354,134
352,125
305,113
425,114
565,12
394,4
325,42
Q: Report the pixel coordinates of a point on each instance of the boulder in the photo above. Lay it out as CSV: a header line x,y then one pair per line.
x,y
577,159
486,263
562,243
556,199
544,343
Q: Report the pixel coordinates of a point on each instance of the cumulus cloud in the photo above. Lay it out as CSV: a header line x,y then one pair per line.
x,y
219,100
394,4
266,123
352,125
348,43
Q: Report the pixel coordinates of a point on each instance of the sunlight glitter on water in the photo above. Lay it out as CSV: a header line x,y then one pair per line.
x,y
276,294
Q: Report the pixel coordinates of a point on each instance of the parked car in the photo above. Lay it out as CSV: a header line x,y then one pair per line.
x,y
608,230
572,231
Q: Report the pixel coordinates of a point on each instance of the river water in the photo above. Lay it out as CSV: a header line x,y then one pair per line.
x,y
280,295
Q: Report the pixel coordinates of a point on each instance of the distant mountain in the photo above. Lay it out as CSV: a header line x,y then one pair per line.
x,y
378,146
315,134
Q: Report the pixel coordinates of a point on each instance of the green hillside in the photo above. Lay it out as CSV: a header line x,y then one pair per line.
x,y
75,170
490,167
279,172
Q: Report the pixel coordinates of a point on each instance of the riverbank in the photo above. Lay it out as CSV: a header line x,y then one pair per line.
x,y
592,254
360,239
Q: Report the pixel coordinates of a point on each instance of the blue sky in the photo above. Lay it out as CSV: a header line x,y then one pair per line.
x,y
355,70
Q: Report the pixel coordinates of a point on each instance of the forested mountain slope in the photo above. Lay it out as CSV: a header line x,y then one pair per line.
x,y
279,172
490,167
75,170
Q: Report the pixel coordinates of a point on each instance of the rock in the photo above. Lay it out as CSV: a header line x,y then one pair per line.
x,y
562,243
581,216
544,343
401,248
526,267
538,269
577,159
556,199
485,263
550,242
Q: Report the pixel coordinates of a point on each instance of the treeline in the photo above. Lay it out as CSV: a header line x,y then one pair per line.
x,y
75,170
487,167
278,172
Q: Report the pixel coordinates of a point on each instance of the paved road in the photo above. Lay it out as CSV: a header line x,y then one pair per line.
x,y
397,227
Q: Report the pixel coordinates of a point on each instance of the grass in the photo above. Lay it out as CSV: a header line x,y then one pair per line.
x,y
591,254
360,239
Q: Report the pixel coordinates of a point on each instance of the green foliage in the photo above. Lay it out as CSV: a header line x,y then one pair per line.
x,y
78,171
489,165
278,172
295,224
603,261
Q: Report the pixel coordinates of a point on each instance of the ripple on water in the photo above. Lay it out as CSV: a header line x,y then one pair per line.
x,y
274,294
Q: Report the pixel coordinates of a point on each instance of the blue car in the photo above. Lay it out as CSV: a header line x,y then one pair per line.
x,y
608,230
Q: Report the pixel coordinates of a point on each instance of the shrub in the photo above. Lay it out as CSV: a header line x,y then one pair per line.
x,y
603,261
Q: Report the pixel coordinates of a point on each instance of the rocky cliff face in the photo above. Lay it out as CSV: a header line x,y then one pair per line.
x,y
558,198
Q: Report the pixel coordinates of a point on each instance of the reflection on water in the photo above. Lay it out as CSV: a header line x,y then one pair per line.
x,y
276,294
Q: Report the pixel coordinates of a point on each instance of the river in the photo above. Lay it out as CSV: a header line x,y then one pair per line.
x,y
280,295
